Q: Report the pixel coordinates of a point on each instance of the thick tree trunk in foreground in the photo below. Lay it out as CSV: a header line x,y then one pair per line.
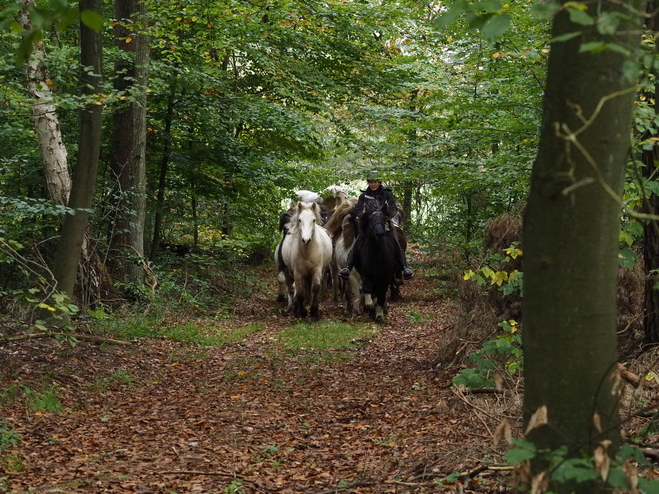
x,y
49,134
571,230
129,145
69,248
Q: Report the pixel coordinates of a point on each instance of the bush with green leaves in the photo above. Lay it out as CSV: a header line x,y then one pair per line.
x,y
504,351
491,274
624,472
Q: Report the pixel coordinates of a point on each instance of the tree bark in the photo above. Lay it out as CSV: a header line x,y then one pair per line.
x,y
162,180
53,152
651,228
128,153
69,248
571,229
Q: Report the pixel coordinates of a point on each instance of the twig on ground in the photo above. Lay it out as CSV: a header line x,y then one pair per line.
x,y
49,334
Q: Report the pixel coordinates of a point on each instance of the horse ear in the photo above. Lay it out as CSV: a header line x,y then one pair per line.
x,y
299,207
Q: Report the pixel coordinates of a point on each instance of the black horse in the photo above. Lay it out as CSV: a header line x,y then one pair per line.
x,y
376,259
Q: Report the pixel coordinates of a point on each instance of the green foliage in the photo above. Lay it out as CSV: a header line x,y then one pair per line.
x,y
508,282
564,468
235,487
508,344
121,376
8,437
324,335
136,326
46,401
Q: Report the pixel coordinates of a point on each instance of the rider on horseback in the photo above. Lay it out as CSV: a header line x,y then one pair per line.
x,y
376,191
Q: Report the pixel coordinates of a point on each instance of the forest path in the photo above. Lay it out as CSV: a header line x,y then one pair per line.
x,y
160,417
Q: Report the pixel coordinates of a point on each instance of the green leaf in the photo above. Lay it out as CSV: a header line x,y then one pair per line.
x,y
607,23
580,17
496,26
455,10
545,10
593,47
67,19
649,486
627,258
652,187
565,37
522,452
487,6
92,20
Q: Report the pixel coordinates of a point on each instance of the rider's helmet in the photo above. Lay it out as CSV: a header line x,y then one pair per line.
x,y
373,175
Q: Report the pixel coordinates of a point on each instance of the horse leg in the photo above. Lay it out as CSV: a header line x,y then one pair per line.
x,y
334,270
290,287
379,314
315,296
395,291
300,308
355,293
370,305
281,294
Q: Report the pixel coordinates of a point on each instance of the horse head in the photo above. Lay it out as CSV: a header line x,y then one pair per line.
x,y
307,216
375,218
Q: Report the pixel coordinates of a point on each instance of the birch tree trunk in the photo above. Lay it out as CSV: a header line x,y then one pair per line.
x,y
49,134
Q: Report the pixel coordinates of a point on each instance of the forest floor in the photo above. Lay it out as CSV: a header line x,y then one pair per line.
x,y
162,417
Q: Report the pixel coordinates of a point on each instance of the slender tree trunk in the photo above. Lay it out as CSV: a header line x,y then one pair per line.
x,y
129,144
651,206
69,248
162,181
49,134
571,229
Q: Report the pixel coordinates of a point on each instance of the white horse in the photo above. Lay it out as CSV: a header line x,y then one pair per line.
x,y
329,199
306,252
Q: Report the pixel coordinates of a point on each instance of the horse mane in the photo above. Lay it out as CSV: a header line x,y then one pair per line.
x,y
370,206
335,224
348,231
285,221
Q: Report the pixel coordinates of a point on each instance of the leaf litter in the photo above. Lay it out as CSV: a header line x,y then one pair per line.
x,y
246,418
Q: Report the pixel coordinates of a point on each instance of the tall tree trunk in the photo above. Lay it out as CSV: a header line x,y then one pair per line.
x,y
127,160
162,180
571,229
49,134
69,248
651,206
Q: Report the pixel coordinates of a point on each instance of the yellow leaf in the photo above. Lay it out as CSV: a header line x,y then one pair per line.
x,y
128,40
499,277
576,5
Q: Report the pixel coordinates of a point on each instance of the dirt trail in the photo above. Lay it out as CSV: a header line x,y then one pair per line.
x,y
159,417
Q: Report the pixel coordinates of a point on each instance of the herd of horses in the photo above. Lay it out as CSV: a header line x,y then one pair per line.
x,y
318,232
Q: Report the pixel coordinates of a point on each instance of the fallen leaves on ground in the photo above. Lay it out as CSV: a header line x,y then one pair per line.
x,y
243,418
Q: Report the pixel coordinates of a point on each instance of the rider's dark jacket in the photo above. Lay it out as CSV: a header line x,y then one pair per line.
x,y
382,195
